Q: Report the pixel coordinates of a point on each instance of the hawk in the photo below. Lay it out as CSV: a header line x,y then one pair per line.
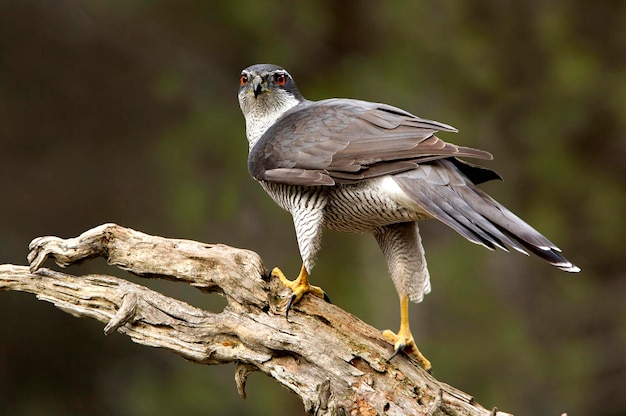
x,y
360,166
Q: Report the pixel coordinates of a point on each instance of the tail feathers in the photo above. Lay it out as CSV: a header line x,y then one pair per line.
x,y
552,256
518,229
444,204
482,220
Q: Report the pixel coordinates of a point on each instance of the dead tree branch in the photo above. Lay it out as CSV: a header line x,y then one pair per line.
x,y
333,361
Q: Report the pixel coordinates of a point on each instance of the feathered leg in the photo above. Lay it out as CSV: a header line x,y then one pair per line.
x,y
308,213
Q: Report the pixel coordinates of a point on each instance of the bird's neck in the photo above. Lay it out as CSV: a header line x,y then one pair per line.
x,y
256,126
262,113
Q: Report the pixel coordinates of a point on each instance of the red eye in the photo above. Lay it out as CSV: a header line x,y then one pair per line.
x,y
280,79
243,80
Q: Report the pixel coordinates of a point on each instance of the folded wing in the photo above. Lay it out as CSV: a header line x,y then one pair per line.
x,y
346,141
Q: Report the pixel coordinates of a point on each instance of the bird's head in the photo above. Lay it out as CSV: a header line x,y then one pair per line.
x,y
265,92
261,81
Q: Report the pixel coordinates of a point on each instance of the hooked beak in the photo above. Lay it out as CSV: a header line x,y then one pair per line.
x,y
258,86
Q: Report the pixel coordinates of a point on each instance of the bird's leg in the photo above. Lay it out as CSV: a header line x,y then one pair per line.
x,y
403,340
299,287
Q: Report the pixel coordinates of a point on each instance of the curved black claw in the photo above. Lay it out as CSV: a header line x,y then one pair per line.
x,y
396,352
400,348
326,298
292,300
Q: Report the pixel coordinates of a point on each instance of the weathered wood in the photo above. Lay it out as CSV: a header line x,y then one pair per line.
x,y
333,361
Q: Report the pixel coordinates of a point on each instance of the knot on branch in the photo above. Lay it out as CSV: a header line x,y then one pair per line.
x,y
125,314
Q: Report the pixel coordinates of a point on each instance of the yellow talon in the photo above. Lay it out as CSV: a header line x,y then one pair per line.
x,y
403,340
299,287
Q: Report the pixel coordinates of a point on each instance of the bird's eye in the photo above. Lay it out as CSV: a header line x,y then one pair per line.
x,y
281,79
243,80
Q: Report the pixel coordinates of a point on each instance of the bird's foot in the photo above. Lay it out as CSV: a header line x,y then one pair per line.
x,y
299,287
403,341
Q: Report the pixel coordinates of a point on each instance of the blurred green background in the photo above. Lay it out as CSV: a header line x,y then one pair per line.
x,y
126,111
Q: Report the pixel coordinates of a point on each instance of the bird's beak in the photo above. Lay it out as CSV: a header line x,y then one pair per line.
x,y
258,86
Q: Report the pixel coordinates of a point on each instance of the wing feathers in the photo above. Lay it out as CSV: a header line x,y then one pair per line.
x,y
299,177
349,140
440,190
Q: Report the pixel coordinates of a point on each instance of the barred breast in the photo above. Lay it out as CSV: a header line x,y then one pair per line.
x,y
365,206
355,208
290,197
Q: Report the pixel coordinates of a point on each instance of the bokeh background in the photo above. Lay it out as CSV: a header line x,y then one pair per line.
x,y
126,111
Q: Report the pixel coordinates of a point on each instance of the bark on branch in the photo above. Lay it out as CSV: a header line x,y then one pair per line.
x,y
333,361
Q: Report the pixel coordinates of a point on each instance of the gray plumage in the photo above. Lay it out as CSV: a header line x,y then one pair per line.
x,y
359,166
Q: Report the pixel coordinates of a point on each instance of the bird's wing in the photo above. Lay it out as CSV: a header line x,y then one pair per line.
x,y
343,140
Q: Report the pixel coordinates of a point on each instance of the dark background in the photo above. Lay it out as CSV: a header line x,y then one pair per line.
x,y
126,111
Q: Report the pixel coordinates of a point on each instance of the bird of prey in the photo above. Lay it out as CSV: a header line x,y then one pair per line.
x,y
359,166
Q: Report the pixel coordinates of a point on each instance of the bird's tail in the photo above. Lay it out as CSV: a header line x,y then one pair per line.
x,y
475,215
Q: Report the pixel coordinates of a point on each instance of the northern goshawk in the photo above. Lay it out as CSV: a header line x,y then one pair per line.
x,y
359,166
